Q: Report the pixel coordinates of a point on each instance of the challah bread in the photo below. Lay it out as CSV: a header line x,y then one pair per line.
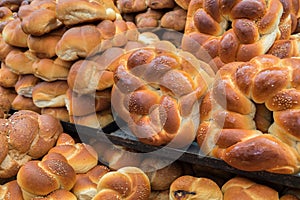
x,y
11,191
158,109
20,62
128,183
25,85
72,12
40,178
8,79
243,188
51,69
286,48
183,3
31,21
86,184
190,187
227,129
236,31
14,35
50,94
24,103
44,46
26,135
82,157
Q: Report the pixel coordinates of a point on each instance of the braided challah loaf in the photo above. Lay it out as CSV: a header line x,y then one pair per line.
x,y
159,87
40,178
128,183
227,128
237,30
24,136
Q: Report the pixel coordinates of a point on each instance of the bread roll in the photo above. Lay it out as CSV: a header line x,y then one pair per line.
x,y
189,187
96,120
82,157
51,69
86,184
183,3
40,178
25,85
14,35
13,5
7,96
80,105
161,4
26,135
11,190
243,188
159,195
50,94
57,195
24,103
128,183
174,20
81,11
4,49
7,77
20,62
33,23
131,6
149,19
60,113
44,46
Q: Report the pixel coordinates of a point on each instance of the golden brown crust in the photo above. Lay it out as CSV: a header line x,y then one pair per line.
x,y
25,85
174,20
35,25
50,94
247,189
189,187
265,89
14,35
6,15
4,49
127,183
70,12
156,108
149,19
24,103
40,178
7,77
60,113
11,190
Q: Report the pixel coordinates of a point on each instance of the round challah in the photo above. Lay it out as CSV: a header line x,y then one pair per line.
x,y
227,129
24,136
237,30
159,87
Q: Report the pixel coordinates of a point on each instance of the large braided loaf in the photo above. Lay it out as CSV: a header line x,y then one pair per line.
x,y
238,30
228,129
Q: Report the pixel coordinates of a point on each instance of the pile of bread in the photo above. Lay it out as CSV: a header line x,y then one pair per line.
x,y
225,75
52,165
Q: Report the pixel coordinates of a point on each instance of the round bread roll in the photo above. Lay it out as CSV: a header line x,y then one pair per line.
x,y
7,96
86,184
24,103
157,91
82,157
25,85
81,11
149,19
14,35
228,130
7,77
11,190
44,46
189,187
237,30
50,94
174,20
33,23
51,69
26,135
57,195
242,188
20,62
40,178
128,183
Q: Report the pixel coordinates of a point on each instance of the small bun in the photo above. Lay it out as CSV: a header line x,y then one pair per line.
x,y
24,103
7,77
14,35
20,62
60,113
25,85
6,15
81,11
